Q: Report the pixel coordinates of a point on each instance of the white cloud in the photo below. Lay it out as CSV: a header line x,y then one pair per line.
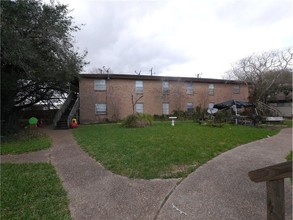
x,y
179,37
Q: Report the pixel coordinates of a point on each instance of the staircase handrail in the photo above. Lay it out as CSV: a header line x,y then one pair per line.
x,y
62,109
73,111
73,88
264,107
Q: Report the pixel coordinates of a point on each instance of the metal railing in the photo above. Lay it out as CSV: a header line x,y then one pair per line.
x,y
274,178
73,111
266,109
62,109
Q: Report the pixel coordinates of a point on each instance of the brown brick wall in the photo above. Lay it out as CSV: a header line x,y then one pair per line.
x,y
119,92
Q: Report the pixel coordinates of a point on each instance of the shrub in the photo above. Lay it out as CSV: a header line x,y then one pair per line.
x,y
137,120
219,117
199,115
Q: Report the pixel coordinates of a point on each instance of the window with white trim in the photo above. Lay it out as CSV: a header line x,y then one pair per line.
x,y
165,108
189,88
211,89
101,108
165,87
139,86
100,85
139,107
189,107
236,89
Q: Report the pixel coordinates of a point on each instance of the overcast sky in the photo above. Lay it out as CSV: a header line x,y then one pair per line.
x,y
179,37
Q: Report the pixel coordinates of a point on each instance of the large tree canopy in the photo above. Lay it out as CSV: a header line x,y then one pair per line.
x,y
38,59
266,74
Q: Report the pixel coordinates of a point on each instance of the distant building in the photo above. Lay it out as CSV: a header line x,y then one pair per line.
x,y
283,103
113,97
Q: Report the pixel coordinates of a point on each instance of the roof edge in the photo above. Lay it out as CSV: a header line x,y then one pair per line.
x,y
148,77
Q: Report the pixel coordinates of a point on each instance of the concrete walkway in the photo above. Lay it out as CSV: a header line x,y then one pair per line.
x,y
219,189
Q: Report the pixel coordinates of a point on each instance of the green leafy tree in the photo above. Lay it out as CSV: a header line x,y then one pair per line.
x,y
266,74
38,59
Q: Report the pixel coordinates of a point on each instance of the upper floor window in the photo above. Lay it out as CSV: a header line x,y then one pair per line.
x,y
236,89
139,107
189,88
101,108
165,86
100,85
211,89
165,108
139,86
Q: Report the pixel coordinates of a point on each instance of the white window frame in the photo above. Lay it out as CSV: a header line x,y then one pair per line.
x,y
101,108
188,105
236,89
139,86
211,89
139,107
189,88
165,87
166,108
100,85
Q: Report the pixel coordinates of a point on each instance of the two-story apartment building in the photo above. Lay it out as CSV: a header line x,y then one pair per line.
x,y
116,96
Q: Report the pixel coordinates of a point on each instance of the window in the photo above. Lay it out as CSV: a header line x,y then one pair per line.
x,y
165,108
190,107
100,85
101,109
189,88
165,85
139,86
139,107
236,89
211,89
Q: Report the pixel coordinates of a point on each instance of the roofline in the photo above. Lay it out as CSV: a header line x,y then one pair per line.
x,y
148,77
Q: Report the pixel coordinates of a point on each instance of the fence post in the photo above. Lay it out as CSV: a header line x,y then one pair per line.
x,y
275,200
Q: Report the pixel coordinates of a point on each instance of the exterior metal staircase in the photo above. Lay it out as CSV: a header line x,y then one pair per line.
x,y
267,110
68,110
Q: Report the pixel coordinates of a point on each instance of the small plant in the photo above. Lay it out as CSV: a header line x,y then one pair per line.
x,y
219,117
199,115
137,120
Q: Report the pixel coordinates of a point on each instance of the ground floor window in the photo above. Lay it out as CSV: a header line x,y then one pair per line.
x,y
189,107
139,107
165,108
101,108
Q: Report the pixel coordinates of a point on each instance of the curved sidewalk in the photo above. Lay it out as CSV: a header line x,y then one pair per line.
x,y
96,193
218,190
221,189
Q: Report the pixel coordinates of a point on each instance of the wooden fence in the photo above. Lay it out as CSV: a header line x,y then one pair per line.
x,y
274,178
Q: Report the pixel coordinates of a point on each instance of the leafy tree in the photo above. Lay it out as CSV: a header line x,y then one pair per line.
x,y
38,60
266,74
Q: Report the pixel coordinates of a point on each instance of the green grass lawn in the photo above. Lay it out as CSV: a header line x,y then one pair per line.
x,y
25,141
161,151
32,191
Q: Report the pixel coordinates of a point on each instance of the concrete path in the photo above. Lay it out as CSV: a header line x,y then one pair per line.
x,y
96,193
219,189
32,157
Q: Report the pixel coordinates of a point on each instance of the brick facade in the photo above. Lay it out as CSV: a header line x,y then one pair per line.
x,y
114,101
